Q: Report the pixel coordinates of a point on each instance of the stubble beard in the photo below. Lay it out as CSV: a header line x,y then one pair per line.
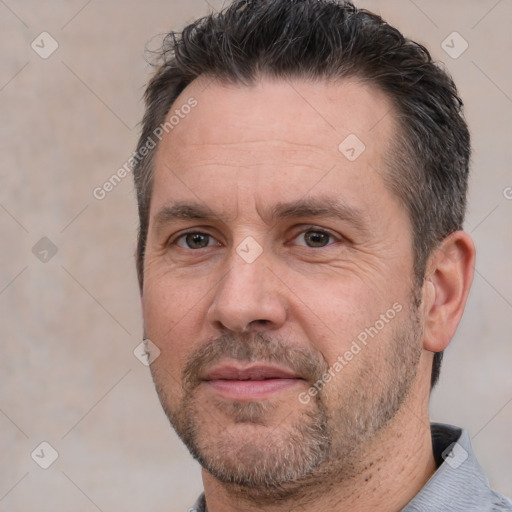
x,y
318,444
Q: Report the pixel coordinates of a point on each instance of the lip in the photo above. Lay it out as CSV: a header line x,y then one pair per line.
x,y
250,382
249,372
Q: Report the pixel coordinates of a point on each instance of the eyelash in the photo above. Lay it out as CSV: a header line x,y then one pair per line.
x,y
314,229
183,235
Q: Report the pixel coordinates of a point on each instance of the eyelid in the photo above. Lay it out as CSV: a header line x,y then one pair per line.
x,y
303,228
173,239
312,227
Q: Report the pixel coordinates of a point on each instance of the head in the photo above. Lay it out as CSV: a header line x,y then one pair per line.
x,y
301,112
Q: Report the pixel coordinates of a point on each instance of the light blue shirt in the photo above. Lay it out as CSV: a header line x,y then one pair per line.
x,y
458,485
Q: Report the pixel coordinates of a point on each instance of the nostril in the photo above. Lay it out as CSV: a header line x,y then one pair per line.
x,y
256,323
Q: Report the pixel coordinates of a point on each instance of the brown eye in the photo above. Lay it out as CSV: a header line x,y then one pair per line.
x,y
316,238
194,240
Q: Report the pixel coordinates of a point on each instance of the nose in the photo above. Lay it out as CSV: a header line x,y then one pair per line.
x,y
249,297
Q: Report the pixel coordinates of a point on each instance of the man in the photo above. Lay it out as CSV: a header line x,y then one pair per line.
x,y
302,185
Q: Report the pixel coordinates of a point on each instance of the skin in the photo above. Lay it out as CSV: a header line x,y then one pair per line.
x,y
241,152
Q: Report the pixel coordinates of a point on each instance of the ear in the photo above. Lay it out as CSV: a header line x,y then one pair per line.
x,y
448,279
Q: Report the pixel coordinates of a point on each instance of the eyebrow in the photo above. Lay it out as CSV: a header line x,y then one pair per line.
x,y
317,207
327,207
183,211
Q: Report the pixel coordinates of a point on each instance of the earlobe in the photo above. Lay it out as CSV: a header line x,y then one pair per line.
x,y
446,288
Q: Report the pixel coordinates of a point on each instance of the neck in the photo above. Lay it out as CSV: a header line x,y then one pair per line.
x,y
391,470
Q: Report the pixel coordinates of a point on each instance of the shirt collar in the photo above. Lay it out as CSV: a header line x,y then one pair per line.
x,y
459,484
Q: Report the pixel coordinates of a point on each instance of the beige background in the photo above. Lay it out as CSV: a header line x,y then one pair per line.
x,y
69,325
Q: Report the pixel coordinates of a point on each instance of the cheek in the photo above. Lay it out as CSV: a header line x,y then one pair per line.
x,y
173,316
343,313
165,298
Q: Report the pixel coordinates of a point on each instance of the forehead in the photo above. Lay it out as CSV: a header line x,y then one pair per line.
x,y
273,138
304,112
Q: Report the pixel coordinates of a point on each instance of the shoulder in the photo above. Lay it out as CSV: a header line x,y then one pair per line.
x,y
459,484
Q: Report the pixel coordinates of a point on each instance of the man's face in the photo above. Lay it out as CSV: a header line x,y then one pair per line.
x,y
278,279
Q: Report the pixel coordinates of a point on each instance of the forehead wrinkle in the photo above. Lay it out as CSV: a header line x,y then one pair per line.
x,y
269,140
